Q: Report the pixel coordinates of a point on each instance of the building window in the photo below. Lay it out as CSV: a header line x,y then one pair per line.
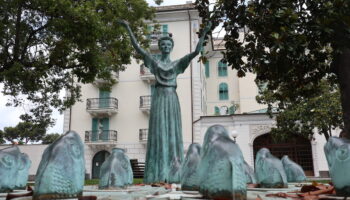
x,y
223,110
165,29
206,69
223,91
216,110
222,69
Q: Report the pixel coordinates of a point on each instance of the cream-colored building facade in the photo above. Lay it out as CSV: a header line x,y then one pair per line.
x,y
241,91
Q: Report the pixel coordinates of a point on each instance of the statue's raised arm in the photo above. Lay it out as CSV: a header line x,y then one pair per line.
x,y
134,41
184,61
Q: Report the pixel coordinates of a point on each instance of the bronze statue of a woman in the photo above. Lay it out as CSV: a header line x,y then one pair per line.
x,y
164,145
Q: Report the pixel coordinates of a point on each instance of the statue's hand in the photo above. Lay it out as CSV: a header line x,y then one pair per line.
x,y
123,22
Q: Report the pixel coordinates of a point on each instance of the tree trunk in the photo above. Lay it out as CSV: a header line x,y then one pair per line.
x,y
342,67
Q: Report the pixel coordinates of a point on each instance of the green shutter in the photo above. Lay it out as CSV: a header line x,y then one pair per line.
x,y
94,135
105,128
104,98
150,30
222,69
223,91
207,73
216,110
232,110
152,89
165,29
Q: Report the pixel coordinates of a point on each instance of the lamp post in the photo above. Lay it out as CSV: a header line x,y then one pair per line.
x,y
234,134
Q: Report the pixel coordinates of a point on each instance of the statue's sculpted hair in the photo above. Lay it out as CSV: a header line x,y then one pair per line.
x,y
166,38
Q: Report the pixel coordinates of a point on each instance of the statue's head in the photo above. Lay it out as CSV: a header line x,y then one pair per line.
x,y
166,44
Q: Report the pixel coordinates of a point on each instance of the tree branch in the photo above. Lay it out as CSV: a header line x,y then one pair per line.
x,y
25,46
18,30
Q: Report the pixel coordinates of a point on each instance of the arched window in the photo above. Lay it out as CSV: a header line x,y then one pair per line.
x,y
223,91
222,69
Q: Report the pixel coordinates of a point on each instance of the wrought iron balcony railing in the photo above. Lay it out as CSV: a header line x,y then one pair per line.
x,y
143,135
101,103
145,102
101,136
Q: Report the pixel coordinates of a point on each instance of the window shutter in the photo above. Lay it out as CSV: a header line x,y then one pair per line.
x,y
223,91
152,89
232,110
217,110
105,128
222,69
207,73
165,29
104,98
94,130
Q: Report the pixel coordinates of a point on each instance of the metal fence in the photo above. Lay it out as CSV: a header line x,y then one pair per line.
x,y
101,135
145,101
101,103
143,135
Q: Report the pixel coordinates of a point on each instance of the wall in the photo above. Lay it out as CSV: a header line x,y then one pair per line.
x,y
34,151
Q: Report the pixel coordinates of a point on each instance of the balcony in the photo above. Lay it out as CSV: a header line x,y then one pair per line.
x,y
145,74
102,82
143,135
101,136
145,103
102,106
154,37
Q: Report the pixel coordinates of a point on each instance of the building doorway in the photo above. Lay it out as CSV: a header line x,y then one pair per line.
x,y
97,161
297,148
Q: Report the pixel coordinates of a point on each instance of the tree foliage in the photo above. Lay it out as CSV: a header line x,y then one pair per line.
x,y
24,132
289,44
45,44
50,138
321,112
2,140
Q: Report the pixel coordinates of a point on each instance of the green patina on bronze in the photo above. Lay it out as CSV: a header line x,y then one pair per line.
x,y
61,170
189,170
250,174
221,169
14,167
116,171
165,146
23,172
337,152
269,170
294,172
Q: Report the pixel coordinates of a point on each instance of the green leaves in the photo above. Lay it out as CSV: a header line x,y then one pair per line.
x,y
45,43
321,112
24,132
50,138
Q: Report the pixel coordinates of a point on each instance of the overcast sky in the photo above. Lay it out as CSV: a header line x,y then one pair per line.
x,y
9,116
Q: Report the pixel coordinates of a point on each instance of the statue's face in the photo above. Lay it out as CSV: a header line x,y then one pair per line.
x,y
165,46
